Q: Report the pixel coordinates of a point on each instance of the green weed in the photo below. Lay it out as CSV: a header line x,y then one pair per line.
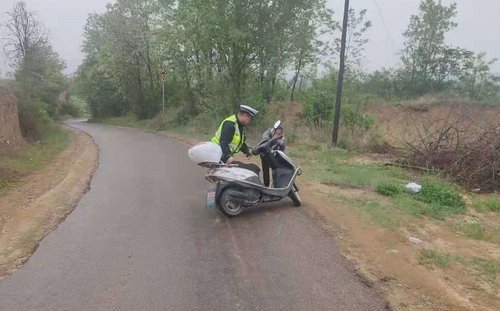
x,y
472,230
434,258
491,204
388,189
443,199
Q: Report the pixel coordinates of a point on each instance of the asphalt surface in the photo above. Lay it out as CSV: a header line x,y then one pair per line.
x,y
141,239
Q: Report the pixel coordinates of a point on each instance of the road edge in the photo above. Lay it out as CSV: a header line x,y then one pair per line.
x,y
47,211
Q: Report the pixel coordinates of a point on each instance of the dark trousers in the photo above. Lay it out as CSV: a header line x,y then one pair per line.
x,y
266,165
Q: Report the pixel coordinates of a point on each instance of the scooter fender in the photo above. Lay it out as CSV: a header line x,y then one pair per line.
x,y
238,195
214,192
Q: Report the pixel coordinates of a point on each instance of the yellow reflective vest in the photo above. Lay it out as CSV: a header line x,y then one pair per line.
x,y
238,138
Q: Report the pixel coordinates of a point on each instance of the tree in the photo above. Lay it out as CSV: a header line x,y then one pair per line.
x,y
428,61
25,34
356,41
218,53
122,42
38,69
475,79
306,47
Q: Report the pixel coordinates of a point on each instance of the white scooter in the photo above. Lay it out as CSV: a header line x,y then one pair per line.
x,y
234,188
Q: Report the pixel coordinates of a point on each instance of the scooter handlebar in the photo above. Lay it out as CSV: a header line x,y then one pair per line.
x,y
264,145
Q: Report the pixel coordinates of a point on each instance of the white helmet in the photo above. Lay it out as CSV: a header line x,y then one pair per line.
x,y
247,109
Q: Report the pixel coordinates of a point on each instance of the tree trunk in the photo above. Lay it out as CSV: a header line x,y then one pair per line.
x,y
297,72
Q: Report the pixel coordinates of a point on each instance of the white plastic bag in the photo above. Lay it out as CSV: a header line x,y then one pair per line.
x,y
413,187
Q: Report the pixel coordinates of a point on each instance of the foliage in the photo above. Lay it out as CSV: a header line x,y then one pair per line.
x,y
430,65
443,198
354,119
388,189
214,54
38,71
357,26
33,119
26,34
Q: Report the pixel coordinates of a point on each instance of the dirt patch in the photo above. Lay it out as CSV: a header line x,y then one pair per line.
x,y
389,259
11,140
43,199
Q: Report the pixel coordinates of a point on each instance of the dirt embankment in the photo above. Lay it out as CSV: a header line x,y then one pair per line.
x,y
11,140
387,259
35,207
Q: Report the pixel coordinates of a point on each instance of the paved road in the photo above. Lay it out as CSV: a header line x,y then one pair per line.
x,y
141,239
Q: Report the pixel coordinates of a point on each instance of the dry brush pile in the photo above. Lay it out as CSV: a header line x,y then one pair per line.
x,y
460,142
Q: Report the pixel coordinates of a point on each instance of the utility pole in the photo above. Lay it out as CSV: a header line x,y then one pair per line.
x,y
163,97
336,121
163,78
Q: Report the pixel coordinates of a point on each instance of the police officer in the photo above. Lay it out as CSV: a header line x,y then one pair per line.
x,y
231,136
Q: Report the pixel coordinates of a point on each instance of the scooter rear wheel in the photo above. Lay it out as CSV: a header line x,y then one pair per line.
x,y
229,203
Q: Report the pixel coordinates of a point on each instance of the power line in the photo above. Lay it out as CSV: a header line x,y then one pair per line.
x,y
385,26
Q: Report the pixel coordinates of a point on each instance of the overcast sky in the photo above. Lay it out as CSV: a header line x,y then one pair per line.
x,y
478,27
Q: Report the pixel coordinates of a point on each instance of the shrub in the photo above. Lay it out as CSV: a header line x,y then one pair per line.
x,y
69,109
388,189
443,199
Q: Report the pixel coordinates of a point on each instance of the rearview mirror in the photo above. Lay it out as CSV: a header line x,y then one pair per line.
x,y
277,124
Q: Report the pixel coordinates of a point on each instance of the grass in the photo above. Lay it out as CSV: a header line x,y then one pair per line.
x,y
434,200
408,204
438,199
33,158
489,269
485,269
434,258
443,199
490,204
388,189
478,231
331,166
473,230
383,214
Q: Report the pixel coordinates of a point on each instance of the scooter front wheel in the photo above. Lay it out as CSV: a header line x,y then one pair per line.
x,y
294,195
229,203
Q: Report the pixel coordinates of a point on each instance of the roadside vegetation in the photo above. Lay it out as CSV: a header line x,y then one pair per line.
x,y
38,84
35,156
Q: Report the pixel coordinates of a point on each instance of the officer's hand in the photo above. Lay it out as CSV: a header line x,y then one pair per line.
x,y
230,160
